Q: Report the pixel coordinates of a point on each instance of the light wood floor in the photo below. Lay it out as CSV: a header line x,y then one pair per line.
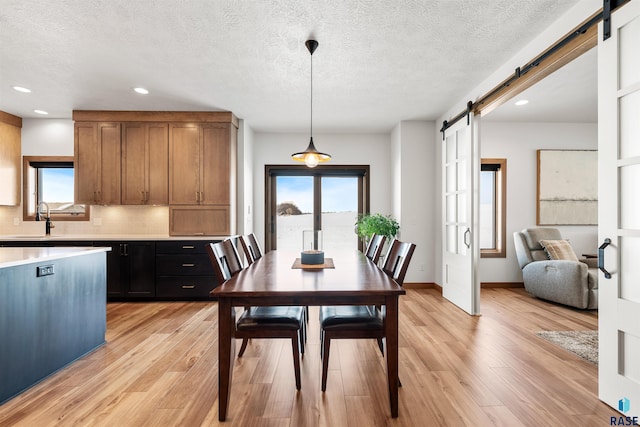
x,y
159,368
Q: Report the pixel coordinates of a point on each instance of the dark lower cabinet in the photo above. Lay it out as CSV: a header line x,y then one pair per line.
x,y
183,270
130,269
152,269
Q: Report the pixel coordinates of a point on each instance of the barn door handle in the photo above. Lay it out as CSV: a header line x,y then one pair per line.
x,y
467,234
601,249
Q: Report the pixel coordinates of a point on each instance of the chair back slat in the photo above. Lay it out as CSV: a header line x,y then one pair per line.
x,y
374,248
251,248
225,259
397,260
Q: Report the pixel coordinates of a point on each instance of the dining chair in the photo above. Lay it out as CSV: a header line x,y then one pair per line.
x,y
374,248
361,321
258,321
252,252
251,248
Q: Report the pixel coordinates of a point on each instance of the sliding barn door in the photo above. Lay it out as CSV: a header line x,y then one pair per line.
x,y
618,207
460,173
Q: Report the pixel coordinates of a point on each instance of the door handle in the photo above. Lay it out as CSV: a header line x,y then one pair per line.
x,y
601,249
467,234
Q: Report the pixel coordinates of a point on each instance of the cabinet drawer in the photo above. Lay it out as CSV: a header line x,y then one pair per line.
x,y
184,265
194,286
182,247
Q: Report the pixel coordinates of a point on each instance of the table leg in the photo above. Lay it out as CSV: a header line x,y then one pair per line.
x,y
391,322
226,354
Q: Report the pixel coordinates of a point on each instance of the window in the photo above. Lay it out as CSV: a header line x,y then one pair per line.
x,y
51,180
493,194
327,198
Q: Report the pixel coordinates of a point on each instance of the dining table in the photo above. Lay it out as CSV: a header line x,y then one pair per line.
x,y
276,279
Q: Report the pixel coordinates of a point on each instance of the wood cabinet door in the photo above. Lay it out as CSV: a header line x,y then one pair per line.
x,y
157,165
145,164
184,164
109,167
215,169
134,164
10,165
86,162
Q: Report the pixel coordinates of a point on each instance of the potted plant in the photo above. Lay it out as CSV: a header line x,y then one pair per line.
x,y
369,224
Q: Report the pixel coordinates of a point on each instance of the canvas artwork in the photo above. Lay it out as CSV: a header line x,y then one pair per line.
x,y
567,187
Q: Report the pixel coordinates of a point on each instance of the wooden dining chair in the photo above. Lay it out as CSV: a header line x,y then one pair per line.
x,y
361,321
374,248
259,321
251,248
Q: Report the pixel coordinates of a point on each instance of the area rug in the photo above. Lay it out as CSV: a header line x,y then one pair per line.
x,y
582,343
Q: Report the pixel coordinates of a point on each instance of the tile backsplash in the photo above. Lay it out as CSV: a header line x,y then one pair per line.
x,y
105,220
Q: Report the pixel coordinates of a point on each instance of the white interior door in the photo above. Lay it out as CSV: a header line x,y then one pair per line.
x,y
460,174
618,210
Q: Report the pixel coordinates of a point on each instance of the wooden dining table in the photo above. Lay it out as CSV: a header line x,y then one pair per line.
x,y
272,280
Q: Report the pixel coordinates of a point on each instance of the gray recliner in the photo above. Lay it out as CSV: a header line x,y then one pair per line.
x,y
573,283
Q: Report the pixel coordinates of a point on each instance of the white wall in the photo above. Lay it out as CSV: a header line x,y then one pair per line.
x,y
245,178
518,143
413,169
345,149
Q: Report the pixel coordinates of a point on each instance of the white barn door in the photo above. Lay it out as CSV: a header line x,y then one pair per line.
x,y
619,210
460,171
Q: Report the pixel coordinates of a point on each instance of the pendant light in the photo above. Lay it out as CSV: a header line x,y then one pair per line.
x,y
311,157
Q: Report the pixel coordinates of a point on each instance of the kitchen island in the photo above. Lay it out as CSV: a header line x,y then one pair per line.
x,y
52,311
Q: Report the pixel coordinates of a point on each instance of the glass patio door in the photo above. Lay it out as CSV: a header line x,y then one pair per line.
x,y
325,198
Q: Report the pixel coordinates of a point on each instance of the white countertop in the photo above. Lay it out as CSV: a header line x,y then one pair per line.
x,y
103,237
11,257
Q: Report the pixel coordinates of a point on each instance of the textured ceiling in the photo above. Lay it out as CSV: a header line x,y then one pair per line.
x,y
378,62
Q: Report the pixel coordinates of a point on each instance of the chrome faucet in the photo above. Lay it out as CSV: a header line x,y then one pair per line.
x,y
48,224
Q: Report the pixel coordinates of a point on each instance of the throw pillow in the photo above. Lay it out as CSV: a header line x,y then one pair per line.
x,y
558,250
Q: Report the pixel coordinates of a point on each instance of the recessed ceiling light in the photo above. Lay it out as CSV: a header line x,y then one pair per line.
x,y
22,89
40,112
141,90
522,102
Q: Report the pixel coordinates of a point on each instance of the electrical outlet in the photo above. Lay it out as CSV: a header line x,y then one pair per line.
x,y
97,221
44,270
16,221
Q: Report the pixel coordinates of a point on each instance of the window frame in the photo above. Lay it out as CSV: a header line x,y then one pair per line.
x,y
500,213
29,189
272,171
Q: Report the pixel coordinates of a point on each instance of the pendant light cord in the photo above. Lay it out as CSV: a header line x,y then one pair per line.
x,y
311,121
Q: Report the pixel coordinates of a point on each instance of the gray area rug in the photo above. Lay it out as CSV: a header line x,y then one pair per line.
x,y
582,343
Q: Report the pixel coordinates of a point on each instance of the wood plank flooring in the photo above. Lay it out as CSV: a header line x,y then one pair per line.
x,y
159,368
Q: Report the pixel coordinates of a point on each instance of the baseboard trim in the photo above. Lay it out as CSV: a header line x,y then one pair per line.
x,y
422,285
487,285
502,285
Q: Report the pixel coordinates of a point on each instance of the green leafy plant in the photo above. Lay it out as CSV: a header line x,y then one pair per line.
x,y
367,225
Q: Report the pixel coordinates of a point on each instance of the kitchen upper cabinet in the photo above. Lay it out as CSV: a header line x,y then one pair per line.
x,y
216,161
145,163
200,159
185,161
97,163
10,164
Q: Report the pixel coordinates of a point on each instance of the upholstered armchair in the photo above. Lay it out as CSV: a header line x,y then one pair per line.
x,y
551,270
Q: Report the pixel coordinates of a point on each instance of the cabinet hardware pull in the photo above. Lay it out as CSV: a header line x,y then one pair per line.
x,y
188,265
188,247
188,286
197,196
143,198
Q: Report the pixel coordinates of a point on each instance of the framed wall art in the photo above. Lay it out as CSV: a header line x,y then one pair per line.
x,y
567,187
